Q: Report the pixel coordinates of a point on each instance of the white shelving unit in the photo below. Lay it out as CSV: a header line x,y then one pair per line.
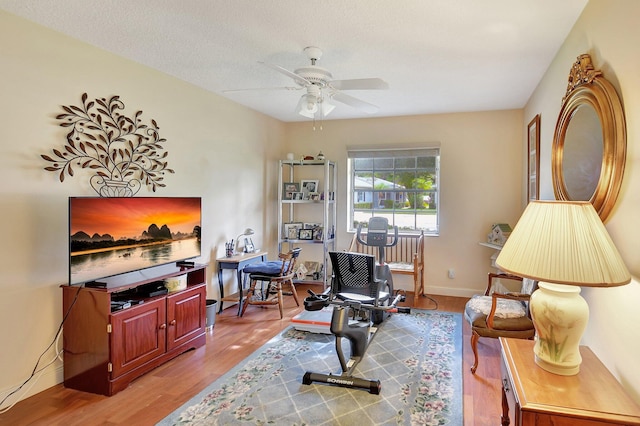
x,y
321,211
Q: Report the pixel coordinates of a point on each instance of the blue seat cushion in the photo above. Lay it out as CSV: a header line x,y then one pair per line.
x,y
270,268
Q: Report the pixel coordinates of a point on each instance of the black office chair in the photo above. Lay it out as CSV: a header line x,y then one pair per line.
x,y
354,279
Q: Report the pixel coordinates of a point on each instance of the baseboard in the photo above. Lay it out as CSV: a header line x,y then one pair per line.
x,y
448,291
48,378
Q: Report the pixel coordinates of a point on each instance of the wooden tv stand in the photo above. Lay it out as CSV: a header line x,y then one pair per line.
x,y
104,351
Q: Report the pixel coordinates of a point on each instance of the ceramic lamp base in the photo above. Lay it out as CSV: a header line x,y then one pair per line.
x,y
560,316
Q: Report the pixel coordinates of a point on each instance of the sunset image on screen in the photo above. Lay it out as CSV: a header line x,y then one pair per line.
x,y
129,217
111,236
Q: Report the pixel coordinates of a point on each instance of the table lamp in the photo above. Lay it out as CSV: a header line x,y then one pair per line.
x,y
246,233
564,245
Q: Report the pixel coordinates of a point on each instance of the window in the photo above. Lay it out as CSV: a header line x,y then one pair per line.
x,y
399,184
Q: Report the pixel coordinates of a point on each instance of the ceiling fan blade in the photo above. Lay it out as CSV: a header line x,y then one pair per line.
x,y
301,81
360,84
261,89
354,102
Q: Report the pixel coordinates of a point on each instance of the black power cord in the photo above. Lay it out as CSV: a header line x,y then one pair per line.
x,y
35,368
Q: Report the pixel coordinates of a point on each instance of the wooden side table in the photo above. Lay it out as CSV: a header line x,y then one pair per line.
x,y
237,263
533,396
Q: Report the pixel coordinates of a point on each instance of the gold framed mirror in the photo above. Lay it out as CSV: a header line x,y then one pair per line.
x,y
590,142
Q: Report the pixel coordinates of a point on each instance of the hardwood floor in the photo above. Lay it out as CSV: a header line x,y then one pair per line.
x,y
153,396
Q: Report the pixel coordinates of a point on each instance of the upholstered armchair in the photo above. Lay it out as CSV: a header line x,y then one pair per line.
x,y
500,313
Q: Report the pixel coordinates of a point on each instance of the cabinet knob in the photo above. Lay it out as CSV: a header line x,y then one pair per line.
x,y
173,322
163,326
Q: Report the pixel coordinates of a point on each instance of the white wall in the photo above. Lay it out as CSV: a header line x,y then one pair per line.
x,y
608,31
480,183
219,150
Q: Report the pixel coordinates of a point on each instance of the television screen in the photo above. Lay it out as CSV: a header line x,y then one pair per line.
x,y
112,236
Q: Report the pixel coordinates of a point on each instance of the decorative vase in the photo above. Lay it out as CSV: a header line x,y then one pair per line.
x,y
114,188
560,316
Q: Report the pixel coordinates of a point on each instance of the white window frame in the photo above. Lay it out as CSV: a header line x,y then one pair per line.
x,y
406,219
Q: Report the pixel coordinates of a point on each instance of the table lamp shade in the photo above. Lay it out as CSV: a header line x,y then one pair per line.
x,y
563,245
563,242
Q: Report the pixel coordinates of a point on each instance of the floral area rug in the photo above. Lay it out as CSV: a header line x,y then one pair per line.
x,y
417,357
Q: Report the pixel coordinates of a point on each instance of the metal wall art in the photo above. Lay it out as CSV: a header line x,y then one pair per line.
x,y
122,152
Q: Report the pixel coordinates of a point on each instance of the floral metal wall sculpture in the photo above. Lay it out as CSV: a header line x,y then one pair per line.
x,y
123,152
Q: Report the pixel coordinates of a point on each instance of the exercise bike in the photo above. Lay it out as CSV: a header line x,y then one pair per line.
x,y
354,307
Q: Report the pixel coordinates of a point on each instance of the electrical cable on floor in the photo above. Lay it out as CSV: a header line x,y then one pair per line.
x,y
37,371
433,300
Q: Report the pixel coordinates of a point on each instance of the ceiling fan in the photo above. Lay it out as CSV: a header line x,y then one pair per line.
x,y
321,88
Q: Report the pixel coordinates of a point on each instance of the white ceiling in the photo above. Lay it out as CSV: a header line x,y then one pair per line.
x,y
438,56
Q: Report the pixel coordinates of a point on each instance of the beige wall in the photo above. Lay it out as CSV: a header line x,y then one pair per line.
x,y
479,182
608,31
219,150
227,154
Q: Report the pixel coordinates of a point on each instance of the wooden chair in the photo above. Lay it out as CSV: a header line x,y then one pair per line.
x,y
275,274
500,313
406,258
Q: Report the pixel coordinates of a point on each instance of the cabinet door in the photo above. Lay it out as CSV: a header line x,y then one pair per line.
x,y
138,335
186,316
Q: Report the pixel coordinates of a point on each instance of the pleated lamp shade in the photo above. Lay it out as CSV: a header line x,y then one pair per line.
x,y
563,242
563,245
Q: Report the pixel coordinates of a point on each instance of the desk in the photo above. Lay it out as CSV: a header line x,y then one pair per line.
x,y
237,262
533,396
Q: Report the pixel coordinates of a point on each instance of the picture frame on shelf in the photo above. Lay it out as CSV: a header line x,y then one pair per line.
x,y
305,234
309,186
291,230
533,159
297,196
317,234
288,189
312,266
314,196
310,225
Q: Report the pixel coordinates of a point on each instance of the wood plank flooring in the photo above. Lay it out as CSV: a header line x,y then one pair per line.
x,y
153,396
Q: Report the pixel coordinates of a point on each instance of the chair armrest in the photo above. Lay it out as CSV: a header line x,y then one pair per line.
x,y
509,296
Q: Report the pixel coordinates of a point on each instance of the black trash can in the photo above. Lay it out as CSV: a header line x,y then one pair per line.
x,y
211,313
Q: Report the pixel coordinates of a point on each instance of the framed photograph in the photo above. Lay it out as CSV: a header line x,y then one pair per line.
x,y
291,230
311,225
248,245
533,168
308,187
311,266
314,196
297,196
288,189
305,234
317,234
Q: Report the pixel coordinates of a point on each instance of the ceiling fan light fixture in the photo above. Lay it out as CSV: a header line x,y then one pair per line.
x,y
326,106
307,106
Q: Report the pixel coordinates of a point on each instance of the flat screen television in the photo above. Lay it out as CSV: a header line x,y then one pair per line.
x,y
114,236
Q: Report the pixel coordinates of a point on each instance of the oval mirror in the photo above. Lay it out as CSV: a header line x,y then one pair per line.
x,y
589,142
